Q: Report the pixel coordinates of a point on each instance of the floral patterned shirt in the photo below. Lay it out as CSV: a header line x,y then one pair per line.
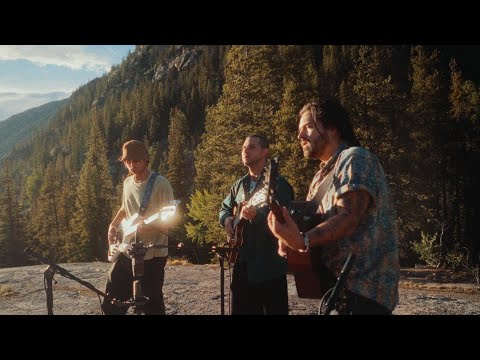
x,y
376,271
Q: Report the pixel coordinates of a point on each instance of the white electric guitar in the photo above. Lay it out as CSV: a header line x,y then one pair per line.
x,y
127,229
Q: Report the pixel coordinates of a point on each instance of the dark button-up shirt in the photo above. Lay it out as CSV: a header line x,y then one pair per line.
x,y
260,248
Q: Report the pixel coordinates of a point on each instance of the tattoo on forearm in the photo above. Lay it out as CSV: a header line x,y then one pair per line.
x,y
350,210
354,203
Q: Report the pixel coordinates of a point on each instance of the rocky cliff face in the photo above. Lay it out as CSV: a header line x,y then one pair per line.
x,y
150,63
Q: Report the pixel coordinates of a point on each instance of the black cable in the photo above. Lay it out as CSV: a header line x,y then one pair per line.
x,y
322,300
229,288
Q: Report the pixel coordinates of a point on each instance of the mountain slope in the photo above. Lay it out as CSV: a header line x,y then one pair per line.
x,y
20,127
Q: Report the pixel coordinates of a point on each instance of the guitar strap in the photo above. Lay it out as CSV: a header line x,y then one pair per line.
x,y
322,189
147,193
328,179
143,205
246,186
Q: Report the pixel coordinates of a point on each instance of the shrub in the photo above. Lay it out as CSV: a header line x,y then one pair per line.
x,y
428,248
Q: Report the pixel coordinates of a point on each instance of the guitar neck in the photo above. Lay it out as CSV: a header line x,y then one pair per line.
x,y
236,221
277,211
151,218
164,215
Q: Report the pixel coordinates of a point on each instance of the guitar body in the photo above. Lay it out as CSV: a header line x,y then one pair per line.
x,y
312,278
116,249
236,242
128,228
258,200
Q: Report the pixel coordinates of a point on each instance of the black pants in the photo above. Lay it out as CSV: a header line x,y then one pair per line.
x,y
266,298
355,304
120,285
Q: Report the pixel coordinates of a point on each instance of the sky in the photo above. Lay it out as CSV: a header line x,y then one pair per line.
x,y
33,75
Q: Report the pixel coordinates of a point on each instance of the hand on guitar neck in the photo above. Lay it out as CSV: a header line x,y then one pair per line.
x,y
277,212
285,229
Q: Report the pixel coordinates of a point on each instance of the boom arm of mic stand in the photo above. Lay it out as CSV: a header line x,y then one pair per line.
x,y
64,272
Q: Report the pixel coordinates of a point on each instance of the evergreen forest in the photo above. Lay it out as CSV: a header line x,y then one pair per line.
x,y
416,107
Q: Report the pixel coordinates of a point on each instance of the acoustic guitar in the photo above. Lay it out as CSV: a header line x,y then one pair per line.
x,y
312,278
259,199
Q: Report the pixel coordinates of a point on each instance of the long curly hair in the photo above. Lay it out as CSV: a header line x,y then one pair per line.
x,y
332,114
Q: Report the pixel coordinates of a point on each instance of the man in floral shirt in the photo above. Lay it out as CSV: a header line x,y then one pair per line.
x,y
352,193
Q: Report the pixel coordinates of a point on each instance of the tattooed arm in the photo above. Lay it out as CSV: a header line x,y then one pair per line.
x,y
350,210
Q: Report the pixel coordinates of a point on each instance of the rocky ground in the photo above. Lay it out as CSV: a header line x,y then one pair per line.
x,y
195,290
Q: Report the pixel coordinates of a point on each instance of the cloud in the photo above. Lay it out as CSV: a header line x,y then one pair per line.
x,y
77,57
15,103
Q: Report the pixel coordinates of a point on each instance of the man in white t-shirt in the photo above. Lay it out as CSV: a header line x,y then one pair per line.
x,y
120,278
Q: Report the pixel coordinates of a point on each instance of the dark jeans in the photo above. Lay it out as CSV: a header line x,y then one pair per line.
x,y
355,304
266,298
120,280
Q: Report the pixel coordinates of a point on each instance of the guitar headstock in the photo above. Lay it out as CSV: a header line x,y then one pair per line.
x,y
271,175
261,197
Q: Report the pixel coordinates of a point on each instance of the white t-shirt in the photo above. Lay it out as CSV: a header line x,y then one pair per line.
x,y
162,194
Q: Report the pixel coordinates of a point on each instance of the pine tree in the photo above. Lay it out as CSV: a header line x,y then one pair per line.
x,y
378,111
94,201
251,97
180,159
203,227
300,84
427,110
180,168
45,224
12,228
465,111
378,101
66,214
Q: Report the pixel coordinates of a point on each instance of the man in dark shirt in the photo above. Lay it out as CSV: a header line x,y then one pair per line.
x,y
259,282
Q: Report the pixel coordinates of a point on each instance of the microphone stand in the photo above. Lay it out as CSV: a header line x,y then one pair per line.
x,y
53,269
222,253
222,285
48,279
138,299
138,251
342,278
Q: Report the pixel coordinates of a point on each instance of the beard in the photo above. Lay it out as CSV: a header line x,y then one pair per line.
x,y
308,151
313,150
251,161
